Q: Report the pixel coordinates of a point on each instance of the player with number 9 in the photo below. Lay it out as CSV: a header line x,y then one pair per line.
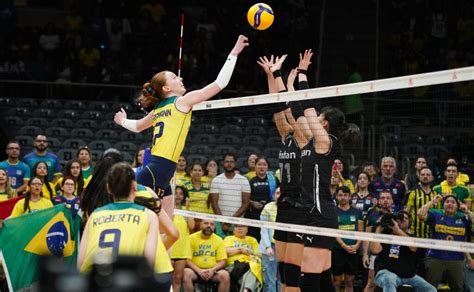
x,y
122,227
170,115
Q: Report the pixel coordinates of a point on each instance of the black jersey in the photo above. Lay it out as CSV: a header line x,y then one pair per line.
x,y
316,171
290,169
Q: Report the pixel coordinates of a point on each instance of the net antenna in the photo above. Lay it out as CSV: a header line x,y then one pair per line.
x,y
180,45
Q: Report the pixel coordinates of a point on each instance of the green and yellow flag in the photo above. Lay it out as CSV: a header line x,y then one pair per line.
x,y
24,239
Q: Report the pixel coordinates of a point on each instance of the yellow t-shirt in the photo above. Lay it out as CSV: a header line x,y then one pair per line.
x,y
205,253
178,250
199,198
170,129
349,184
181,178
119,228
18,210
247,242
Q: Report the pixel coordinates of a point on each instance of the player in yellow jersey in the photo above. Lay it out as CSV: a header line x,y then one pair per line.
x,y
122,227
171,119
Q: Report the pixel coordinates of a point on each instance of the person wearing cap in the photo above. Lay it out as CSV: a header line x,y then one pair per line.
x,y
452,222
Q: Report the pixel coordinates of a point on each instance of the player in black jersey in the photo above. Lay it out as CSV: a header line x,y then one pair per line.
x,y
289,246
317,159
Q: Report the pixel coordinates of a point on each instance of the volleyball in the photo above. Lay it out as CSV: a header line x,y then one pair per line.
x,y
260,16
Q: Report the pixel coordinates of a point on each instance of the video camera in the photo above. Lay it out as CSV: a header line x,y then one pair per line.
x,y
386,221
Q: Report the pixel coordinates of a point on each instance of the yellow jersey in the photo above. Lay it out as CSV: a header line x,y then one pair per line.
x,y
117,228
178,250
198,198
19,208
162,259
205,253
248,242
170,129
181,178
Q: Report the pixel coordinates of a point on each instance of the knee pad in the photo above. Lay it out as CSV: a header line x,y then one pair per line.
x,y
326,281
281,271
310,282
292,275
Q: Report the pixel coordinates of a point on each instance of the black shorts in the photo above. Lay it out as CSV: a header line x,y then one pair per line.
x,y
344,263
326,218
291,215
157,175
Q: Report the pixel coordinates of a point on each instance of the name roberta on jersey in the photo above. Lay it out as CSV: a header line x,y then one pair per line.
x,y
286,155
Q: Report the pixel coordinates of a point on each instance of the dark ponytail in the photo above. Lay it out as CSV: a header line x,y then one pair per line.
x,y
346,132
26,205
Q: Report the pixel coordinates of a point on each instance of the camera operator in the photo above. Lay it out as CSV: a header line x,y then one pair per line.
x,y
395,265
373,216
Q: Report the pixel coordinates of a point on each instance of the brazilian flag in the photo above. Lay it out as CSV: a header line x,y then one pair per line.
x,y
24,239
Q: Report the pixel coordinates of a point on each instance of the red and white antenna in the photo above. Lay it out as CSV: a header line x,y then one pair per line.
x,y
180,45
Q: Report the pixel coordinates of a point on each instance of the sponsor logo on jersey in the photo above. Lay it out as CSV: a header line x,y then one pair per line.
x,y
286,155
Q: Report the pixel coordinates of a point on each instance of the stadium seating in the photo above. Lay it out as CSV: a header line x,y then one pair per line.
x,y
61,122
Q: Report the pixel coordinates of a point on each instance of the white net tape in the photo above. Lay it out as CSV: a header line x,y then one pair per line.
x,y
409,81
364,236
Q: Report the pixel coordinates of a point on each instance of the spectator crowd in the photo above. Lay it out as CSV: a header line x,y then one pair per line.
x,y
235,256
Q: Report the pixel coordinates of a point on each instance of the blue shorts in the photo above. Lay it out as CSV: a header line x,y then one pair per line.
x,y
157,175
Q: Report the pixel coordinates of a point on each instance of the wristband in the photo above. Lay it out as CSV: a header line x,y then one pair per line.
x,y
302,71
130,125
277,73
303,85
278,107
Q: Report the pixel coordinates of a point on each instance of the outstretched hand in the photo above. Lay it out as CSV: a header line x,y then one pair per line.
x,y
305,59
278,62
120,116
241,43
265,63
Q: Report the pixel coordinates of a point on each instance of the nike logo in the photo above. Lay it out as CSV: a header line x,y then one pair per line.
x,y
310,239
300,236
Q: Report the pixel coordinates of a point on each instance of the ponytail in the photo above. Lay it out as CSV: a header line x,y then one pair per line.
x,y
346,132
351,134
26,205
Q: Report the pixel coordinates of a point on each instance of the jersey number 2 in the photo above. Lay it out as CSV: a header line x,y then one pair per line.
x,y
114,243
159,133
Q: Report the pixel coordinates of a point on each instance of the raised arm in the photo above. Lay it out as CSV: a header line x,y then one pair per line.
x,y
423,211
291,80
305,61
322,143
266,63
186,102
